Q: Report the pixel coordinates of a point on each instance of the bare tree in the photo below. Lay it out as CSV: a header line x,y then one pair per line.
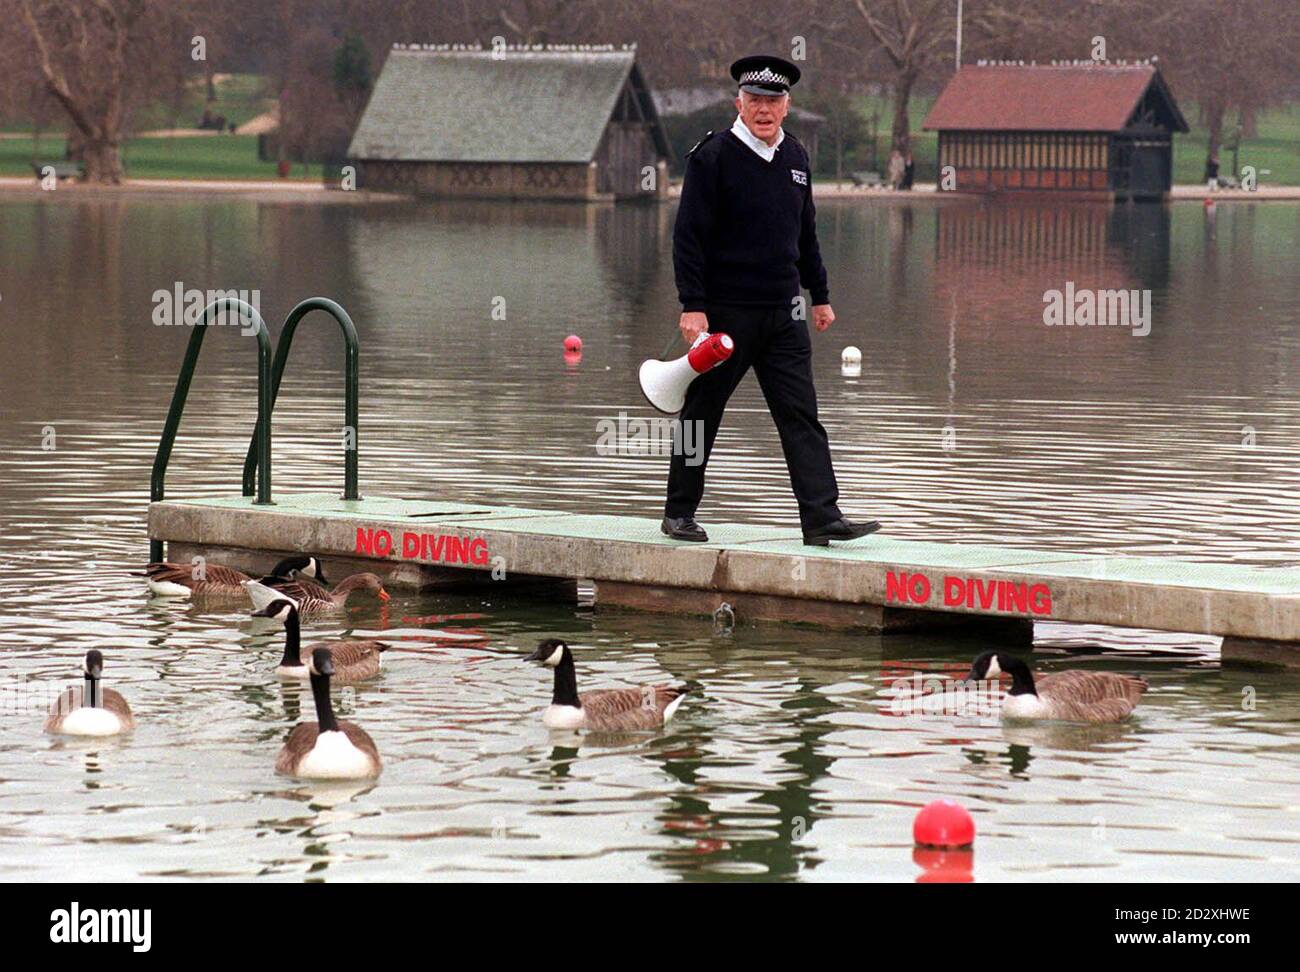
x,y
913,34
97,59
547,21
917,36
1239,59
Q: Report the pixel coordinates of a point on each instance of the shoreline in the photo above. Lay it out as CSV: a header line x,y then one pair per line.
x,y
315,191
260,190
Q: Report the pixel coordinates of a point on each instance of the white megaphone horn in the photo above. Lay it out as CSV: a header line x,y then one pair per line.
x,y
664,383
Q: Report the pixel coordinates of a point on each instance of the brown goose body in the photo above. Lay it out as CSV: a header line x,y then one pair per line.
x,y
72,699
327,749
1069,696
638,709
1081,696
315,599
303,740
168,579
621,710
90,709
353,661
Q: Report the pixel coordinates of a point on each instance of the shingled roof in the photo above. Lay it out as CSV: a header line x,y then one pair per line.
x,y
471,106
1050,98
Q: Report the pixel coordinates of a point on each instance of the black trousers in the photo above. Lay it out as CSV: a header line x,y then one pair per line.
x,y
778,348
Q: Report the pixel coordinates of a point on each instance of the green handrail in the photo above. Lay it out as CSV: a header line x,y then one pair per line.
x,y
349,396
164,453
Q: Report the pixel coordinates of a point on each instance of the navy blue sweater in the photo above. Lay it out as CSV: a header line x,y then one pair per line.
x,y
746,229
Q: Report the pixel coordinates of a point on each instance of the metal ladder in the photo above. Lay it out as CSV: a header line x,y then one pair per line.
x,y
257,464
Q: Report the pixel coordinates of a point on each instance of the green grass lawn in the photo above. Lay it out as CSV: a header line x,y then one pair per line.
x,y
214,157
211,157
239,97
1277,148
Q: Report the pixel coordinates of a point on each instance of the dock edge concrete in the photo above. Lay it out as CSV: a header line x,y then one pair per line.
x,y
764,573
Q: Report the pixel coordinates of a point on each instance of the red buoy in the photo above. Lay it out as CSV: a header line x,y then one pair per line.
x,y
572,343
943,823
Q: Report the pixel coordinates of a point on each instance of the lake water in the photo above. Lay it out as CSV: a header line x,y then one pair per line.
x,y
971,421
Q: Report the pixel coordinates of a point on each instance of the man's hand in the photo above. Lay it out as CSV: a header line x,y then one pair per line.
x,y
823,316
693,324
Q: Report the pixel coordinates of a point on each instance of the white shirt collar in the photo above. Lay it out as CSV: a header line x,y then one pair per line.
x,y
760,148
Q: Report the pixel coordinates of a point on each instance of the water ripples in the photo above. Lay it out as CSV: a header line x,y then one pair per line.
x,y
971,422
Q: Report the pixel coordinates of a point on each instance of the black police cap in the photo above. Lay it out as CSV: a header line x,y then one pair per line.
x,y
764,74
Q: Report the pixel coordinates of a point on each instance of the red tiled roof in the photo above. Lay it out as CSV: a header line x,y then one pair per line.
x,y
1040,98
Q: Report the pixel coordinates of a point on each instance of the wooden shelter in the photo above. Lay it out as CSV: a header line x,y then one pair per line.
x,y
1083,128
546,124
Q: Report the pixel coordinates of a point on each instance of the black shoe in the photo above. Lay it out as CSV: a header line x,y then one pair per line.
x,y
840,529
683,528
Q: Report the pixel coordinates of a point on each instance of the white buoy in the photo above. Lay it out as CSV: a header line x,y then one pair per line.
x,y
851,362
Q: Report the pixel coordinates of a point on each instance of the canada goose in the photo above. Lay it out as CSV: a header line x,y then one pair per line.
x,y
327,749
311,597
91,710
1072,696
352,660
607,710
188,580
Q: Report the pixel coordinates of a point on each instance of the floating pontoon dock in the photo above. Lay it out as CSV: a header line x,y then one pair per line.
x,y
764,573
876,583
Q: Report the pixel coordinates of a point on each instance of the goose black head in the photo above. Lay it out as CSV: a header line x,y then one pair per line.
x,y
322,662
983,667
310,566
550,653
992,664
281,609
94,663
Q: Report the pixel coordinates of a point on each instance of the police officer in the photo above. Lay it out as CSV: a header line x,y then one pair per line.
x,y
744,242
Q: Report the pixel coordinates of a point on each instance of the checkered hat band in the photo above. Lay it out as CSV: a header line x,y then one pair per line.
x,y
765,76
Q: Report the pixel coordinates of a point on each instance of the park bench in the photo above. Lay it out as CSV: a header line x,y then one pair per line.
x,y
865,180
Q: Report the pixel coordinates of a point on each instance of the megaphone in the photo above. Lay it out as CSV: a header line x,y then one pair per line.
x,y
664,383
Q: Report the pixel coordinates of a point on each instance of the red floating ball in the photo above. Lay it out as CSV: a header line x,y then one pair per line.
x,y
943,823
572,343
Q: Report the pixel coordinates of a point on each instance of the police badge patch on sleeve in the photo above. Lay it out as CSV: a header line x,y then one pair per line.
x,y
799,176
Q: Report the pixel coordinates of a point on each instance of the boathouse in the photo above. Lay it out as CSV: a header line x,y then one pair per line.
x,y
512,124
1095,129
